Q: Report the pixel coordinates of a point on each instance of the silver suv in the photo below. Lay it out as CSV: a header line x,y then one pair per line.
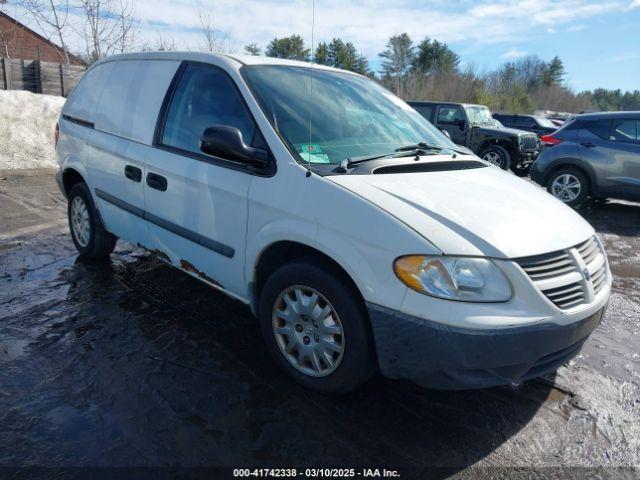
x,y
594,155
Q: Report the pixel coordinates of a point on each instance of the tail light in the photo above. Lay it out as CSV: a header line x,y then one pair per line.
x,y
550,140
56,135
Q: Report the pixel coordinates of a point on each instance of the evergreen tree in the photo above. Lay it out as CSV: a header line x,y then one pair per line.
x,y
252,49
291,48
321,55
435,57
398,59
553,72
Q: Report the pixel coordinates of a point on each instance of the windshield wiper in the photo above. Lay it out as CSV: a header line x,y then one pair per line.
x,y
404,151
350,161
420,146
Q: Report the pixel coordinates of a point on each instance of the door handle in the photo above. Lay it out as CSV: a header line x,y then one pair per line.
x,y
587,144
157,182
133,173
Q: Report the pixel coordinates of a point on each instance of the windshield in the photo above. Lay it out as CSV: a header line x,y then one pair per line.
x,y
479,115
545,122
350,116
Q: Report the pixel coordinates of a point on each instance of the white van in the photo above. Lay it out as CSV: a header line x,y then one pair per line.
x,y
360,236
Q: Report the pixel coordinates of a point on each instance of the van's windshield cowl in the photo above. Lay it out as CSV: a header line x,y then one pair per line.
x,y
351,116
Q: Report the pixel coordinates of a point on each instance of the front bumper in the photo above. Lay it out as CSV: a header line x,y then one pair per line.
x,y
439,356
526,156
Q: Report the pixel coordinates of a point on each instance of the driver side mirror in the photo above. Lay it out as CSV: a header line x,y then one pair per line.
x,y
226,142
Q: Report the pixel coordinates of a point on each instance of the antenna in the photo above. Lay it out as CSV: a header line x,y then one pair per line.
x,y
313,61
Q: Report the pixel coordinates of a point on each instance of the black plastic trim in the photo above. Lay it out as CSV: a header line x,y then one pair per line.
x,y
78,121
157,182
440,166
213,245
133,173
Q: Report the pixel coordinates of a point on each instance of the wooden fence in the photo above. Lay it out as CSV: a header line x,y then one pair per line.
x,y
39,77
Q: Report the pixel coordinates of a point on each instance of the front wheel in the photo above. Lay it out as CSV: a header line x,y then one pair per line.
x,y
497,155
87,232
316,327
569,185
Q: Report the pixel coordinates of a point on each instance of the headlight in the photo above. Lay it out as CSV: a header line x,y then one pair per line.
x,y
454,278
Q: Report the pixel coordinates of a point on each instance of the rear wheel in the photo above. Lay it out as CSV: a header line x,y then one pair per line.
x,y
569,185
316,327
87,232
497,155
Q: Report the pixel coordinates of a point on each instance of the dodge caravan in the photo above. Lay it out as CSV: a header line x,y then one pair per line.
x,y
360,236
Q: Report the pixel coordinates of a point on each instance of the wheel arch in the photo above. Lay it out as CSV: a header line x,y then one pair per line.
x,y
280,252
572,163
70,177
496,142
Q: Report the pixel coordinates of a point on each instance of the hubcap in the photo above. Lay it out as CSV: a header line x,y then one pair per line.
x,y
80,223
566,187
308,331
493,158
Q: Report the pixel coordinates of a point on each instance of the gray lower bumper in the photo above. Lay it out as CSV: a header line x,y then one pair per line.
x,y
438,356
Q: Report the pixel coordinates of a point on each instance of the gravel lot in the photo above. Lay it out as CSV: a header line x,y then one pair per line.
x,y
131,363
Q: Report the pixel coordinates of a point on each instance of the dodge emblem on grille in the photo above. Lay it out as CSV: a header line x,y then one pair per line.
x,y
586,274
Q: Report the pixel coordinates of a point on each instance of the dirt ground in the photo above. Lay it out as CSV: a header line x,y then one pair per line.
x,y
130,363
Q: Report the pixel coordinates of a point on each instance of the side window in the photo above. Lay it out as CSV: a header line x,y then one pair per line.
x,y
424,110
82,101
624,130
205,97
510,120
599,128
449,115
518,121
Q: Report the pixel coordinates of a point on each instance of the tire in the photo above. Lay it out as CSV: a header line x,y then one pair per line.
x,y
87,232
497,155
356,362
573,197
521,169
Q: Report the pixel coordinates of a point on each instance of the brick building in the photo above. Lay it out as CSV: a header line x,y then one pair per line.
x,y
17,41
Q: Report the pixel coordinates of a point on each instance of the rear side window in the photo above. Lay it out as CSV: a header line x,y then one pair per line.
x,y
450,115
600,128
424,110
528,122
204,97
82,101
625,130
131,97
504,119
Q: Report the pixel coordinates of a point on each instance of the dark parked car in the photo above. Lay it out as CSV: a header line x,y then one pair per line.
x,y
475,128
595,155
531,123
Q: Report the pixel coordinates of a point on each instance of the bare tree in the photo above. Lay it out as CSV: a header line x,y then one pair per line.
x,y
161,44
51,18
215,41
109,27
128,26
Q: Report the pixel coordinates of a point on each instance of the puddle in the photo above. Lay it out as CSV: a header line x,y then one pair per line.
x,y
12,348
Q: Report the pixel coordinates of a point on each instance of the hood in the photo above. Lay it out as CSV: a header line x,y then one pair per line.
x,y
482,211
501,131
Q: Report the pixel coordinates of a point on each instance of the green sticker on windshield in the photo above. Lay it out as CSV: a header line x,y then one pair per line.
x,y
311,148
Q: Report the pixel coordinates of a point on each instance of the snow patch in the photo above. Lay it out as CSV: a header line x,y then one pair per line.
x,y
27,122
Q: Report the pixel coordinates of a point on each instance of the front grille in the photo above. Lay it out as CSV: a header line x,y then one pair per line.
x,y
570,277
528,142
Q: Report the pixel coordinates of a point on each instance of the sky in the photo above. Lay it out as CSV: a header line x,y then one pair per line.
x,y
598,41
